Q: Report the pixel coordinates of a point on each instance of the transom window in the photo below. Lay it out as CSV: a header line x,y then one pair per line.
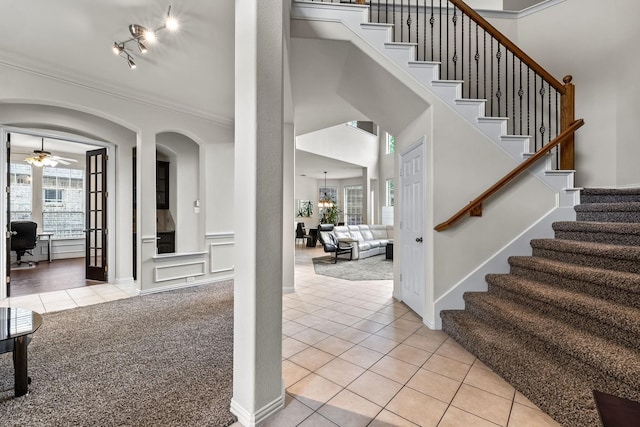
x,y
390,144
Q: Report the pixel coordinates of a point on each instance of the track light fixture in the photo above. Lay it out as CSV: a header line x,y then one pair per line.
x,y
140,34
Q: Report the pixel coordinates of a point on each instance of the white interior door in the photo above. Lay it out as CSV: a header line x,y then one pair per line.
x,y
411,229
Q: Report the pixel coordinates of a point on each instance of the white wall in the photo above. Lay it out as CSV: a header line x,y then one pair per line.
x,y
307,189
184,190
595,42
36,100
342,142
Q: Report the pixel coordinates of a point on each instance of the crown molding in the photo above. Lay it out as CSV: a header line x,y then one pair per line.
x,y
26,65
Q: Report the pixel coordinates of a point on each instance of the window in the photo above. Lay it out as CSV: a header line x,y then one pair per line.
x,y
391,142
390,188
331,193
63,202
21,192
353,204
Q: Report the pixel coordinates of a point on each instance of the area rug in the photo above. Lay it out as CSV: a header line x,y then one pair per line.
x,y
372,268
156,360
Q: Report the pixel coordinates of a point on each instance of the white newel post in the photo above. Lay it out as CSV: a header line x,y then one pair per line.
x,y
257,366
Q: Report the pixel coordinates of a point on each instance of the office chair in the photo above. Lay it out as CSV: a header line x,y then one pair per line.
x,y
23,239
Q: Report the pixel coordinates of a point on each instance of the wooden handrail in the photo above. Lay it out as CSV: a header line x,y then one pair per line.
x,y
475,206
510,45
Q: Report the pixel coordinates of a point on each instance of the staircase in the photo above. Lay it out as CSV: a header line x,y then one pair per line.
x,y
566,320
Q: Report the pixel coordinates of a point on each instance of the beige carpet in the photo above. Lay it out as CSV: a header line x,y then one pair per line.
x,y
157,360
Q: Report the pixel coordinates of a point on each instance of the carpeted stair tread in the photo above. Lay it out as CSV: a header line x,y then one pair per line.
x,y
609,195
600,276
615,257
615,233
608,207
619,287
557,388
612,358
603,317
608,212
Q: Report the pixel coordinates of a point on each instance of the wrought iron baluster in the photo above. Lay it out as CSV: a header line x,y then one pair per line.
x,y
528,102
520,94
498,91
543,129
513,92
401,21
432,22
484,65
462,45
386,11
394,21
477,58
535,108
408,21
440,37
448,41
557,133
469,58
417,31
454,19
492,76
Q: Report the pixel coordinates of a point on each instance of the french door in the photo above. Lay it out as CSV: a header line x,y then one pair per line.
x,y
96,209
8,203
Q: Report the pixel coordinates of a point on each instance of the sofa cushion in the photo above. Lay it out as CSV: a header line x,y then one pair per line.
x,y
374,243
341,232
364,246
366,233
379,231
356,235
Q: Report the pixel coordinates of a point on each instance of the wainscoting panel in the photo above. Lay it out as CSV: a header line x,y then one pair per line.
x,y
221,248
179,271
221,257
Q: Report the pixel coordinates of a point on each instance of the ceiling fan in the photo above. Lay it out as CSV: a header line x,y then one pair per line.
x,y
45,158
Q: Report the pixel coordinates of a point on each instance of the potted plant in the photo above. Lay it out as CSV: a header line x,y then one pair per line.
x,y
330,215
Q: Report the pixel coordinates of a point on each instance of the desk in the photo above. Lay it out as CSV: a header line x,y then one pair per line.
x,y
16,324
48,235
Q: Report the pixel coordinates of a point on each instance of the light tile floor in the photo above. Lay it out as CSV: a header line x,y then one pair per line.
x,y
353,356
77,297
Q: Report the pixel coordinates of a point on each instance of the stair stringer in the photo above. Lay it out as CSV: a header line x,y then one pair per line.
x,y
475,281
426,74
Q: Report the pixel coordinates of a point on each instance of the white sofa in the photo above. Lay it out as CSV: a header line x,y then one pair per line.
x,y
368,239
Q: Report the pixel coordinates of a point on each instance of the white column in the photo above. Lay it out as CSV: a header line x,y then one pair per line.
x,y
146,207
288,233
366,191
257,366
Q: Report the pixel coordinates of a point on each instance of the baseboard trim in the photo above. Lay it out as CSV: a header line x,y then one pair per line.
x,y
247,419
206,281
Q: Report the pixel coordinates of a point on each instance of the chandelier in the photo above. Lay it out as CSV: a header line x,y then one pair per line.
x,y
325,201
141,37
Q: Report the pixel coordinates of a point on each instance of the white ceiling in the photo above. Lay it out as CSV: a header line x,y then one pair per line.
x,y
191,70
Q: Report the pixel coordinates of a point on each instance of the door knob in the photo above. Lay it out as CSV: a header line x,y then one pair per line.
x,y
419,239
